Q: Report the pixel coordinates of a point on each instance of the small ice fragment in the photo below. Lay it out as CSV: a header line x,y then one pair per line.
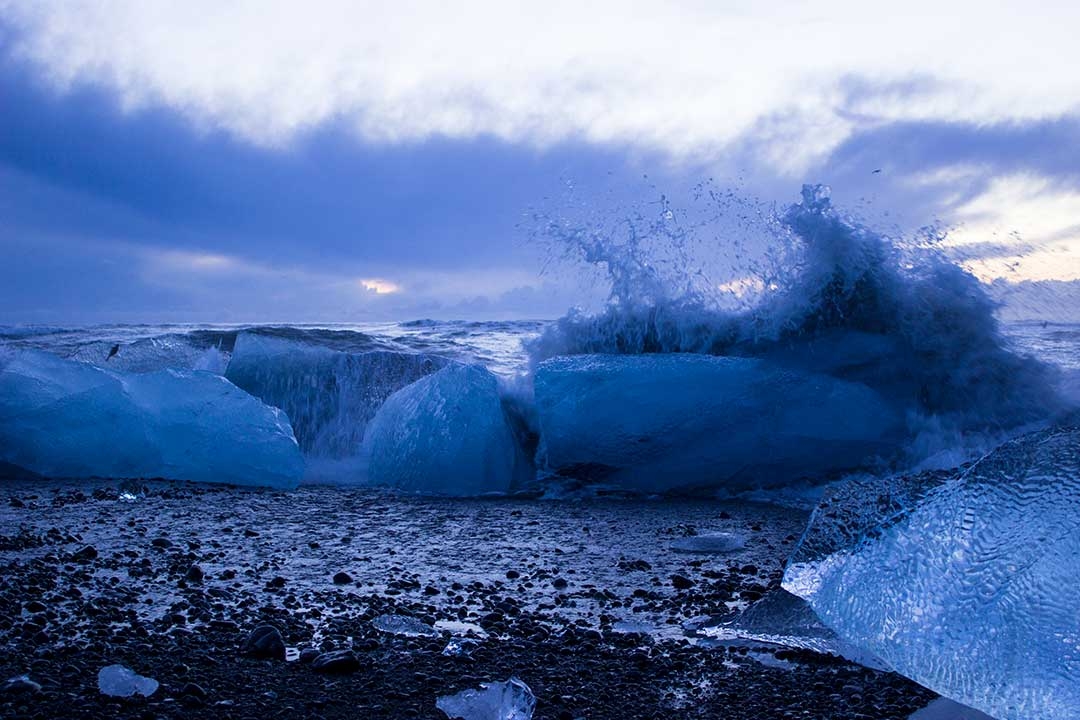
x,y
721,542
459,646
119,681
403,625
510,700
631,627
456,627
127,496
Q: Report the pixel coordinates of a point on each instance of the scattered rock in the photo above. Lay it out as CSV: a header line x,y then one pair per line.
x,y
336,662
21,685
265,641
86,553
680,582
342,578
195,574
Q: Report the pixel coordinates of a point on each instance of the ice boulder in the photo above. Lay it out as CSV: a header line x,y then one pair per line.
x,y
329,396
656,423
63,418
446,434
965,582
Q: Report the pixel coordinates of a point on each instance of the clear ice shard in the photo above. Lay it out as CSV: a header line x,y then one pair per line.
x,y
656,423
119,681
510,700
403,625
965,583
62,418
447,434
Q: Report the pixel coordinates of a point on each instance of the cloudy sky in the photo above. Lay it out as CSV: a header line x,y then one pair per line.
x,y
350,161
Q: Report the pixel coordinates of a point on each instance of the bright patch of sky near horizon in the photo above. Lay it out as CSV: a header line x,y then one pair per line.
x,y
707,87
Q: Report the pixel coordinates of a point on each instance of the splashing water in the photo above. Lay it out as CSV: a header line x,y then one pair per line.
x,y
827,295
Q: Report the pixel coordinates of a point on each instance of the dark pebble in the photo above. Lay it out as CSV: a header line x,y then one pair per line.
x,y
680,582
342,578
21,686
193,690
265,641
336,662
86,553
195,574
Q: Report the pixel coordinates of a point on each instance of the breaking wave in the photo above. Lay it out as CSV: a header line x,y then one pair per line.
x,y
830,296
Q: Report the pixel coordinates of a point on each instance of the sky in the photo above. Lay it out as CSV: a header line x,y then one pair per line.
x,y
350,161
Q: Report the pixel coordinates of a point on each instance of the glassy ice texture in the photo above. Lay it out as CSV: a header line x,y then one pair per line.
x,y
119,681
403,625
510,700
329,396
721,542
656,423
968,583
447,433
63,418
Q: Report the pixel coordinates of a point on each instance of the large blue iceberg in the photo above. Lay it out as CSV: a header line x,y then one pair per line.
x,y
448,434
63,418
329,396
965,583
656,423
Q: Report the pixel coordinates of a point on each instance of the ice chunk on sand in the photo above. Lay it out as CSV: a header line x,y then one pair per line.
x,y
119,681
720,542
966,583
447,434
510,700
62,418
655,423
403,625
329,396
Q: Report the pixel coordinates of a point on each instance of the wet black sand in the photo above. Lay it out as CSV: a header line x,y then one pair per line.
x,y
89,579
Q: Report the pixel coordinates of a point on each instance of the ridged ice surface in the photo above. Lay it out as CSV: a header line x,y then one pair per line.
x,y
329,396
966,584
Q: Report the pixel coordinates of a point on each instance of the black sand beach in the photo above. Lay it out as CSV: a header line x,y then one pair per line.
x,y
585,601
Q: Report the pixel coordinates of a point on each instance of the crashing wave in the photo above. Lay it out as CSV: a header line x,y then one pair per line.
x,y
845,302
